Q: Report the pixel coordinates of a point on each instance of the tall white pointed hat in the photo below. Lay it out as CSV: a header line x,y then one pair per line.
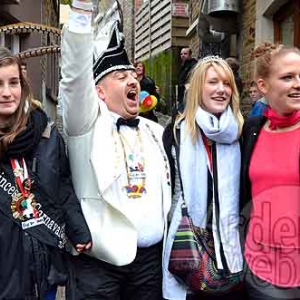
x,y
109,52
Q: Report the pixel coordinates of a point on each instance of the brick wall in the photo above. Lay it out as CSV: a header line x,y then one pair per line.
x,y
195,44
194,37
128,26
247,40
247,35
194,9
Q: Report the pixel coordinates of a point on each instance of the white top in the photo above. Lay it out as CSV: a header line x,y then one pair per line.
x,y
146,212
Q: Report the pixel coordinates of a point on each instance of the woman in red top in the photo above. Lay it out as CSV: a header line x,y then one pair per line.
x,y
270,183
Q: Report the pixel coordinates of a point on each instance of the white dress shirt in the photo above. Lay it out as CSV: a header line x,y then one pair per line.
x,y
146,212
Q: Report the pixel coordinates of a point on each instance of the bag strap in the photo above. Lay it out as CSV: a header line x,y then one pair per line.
x,y
210,184
212,156
217,203
177,151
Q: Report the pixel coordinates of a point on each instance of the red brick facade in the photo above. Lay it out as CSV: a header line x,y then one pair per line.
x,y
247,41
194,38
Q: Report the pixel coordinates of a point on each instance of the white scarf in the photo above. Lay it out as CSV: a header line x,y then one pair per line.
x,y
193,166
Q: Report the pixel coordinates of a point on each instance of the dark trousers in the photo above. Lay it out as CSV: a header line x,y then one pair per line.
x,y
233,295
140,280
258,289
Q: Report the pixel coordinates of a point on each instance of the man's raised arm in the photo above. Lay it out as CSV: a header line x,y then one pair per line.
x,y
77,88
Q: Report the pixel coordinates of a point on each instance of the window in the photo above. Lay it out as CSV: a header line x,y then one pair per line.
x,y
287,24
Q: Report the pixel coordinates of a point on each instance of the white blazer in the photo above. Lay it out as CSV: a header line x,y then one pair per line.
x,y
89,127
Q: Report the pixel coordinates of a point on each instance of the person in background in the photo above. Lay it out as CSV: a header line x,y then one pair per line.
x,y
271,178
147,84
24,69
235,66
187,64
38,205
118,163
254,92
211,115
258,102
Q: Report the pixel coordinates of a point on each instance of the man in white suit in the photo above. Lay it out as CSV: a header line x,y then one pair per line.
x,y
119,167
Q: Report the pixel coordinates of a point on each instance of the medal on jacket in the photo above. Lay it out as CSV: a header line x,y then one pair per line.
x,y
136,181
23,204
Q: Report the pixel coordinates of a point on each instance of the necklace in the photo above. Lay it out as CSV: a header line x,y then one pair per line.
x,y
163,153
134,190
123,139
134,164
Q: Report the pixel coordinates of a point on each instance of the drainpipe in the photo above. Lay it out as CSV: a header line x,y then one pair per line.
x,y
206,33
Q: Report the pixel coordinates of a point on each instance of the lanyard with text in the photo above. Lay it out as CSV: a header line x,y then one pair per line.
x,y
22,178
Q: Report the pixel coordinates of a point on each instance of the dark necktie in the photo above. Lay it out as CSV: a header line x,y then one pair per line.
x,y
127,122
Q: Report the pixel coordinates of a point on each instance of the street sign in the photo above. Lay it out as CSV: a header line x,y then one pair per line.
x,y
180,9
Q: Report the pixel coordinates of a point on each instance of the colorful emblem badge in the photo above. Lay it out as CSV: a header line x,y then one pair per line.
x,y
24,208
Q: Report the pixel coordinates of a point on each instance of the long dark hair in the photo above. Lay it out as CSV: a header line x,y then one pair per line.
x,y
17,122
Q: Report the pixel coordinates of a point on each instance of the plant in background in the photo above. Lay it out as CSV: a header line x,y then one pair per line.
x,y
66,2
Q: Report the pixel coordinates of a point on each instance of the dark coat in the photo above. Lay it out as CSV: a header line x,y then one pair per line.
x,y
250,134
238,82
184,73
168,142
251,130
148,84
32,256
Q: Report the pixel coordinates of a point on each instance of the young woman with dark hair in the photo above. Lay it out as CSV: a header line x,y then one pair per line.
x,y
38,206
147,84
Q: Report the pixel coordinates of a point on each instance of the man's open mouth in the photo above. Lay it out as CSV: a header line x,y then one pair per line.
x,y
132,95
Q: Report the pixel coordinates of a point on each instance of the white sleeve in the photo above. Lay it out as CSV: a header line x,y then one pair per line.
x,y
78,95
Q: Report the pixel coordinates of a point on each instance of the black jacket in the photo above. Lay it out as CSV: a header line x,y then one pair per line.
x,y
184,73
251,130
168,142
32,259
250,134
148,84
238,82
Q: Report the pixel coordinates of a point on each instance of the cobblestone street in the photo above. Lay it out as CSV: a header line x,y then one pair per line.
x,y
163,119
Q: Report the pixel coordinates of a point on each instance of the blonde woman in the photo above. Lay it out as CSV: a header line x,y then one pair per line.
x,y
211,115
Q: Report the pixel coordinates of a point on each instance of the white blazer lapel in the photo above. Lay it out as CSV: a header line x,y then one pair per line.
x,y
103,156
165,168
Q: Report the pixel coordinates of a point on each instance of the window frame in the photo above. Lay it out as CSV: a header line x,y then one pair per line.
x,y
291,8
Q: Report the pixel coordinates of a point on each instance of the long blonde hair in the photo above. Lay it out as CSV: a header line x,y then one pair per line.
x,y
18,120
194,94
